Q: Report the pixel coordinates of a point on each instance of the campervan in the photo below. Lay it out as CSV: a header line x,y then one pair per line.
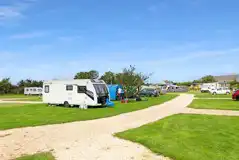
x,y
207,87
32,91
82,93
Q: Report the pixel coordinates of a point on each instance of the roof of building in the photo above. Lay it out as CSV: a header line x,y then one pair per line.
x,y
226,78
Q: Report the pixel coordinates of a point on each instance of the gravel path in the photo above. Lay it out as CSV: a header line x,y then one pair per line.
x,y
210,112
23,102
89,140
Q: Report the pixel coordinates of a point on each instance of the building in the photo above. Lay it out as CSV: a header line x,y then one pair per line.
x,y
227,78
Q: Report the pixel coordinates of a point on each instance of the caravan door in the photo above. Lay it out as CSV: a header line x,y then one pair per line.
x,y
70,93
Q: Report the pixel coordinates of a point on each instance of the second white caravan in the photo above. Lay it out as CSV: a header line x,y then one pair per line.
x,y
82,93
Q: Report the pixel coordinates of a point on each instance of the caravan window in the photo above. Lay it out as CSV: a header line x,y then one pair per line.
x,y
47,89
100,89
81,89
34,90
69,87
39,90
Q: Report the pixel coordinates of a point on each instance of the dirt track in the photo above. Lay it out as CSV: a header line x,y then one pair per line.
x,y
89,140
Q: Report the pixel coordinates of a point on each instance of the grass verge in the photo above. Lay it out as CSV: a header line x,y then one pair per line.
x,y
208,95
2,96
39,156
41,114
224,104
190,137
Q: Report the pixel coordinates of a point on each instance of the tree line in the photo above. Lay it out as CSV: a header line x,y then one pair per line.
x,y
6,87
205,79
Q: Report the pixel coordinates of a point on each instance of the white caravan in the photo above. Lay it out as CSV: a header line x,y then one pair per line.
x,y
33,91
207,87
82,93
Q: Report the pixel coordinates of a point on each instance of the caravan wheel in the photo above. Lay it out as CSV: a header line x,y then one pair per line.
x,y
66,104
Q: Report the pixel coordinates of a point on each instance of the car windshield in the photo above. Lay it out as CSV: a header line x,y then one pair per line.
x,y
100,89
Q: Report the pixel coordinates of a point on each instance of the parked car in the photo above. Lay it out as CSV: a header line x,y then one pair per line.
x,y
220,91
235,95
148,92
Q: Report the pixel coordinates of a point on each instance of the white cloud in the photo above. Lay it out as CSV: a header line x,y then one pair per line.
x,y
62,68
15,10
28,35
9,12
200,55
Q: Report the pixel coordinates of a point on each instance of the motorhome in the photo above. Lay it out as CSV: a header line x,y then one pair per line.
x,y
82,93
33,91
207,87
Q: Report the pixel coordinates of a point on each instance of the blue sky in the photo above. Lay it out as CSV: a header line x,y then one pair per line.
x,y
173,39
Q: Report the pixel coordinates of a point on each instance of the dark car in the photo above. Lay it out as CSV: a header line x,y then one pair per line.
x,y
149,92
235,95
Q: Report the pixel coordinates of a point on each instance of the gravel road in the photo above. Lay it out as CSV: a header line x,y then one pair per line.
x,y
89,140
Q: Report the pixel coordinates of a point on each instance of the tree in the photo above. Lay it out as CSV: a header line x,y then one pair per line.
x,y
5,85
27,83
82,75
109,77
93,74
184,83
234,84
197,81
131,80
208,79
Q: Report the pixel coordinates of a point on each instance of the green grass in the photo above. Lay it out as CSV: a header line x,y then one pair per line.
x,y
224,104
2,96
41,114
208,95
19,97
39,156
190,137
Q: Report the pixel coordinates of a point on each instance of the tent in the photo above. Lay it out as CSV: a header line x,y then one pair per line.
x,y
113,91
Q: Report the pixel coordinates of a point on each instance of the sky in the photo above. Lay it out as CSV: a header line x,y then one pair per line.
x,y
177,40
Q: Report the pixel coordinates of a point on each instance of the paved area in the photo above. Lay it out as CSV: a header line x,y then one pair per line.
x,y
210,112
89,140
23,102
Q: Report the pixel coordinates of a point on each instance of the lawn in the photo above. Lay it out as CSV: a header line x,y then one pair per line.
x,y
208,95
224,104
2,96
39,156
190,137
41,114
11,105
